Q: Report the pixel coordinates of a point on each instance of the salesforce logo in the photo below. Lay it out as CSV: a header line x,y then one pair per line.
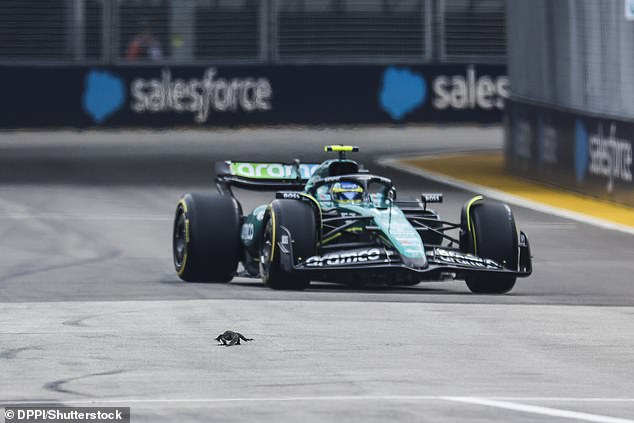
x,y
104,94
402,92
603,155
581,150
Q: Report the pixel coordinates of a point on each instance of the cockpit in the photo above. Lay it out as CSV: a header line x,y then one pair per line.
x,y
358,190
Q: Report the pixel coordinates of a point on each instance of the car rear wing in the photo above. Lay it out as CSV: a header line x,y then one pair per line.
x,y
263,176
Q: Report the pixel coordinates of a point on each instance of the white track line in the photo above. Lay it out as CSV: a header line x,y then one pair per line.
x,y
253,399
508,403
534,409
394,163
560,399
328,398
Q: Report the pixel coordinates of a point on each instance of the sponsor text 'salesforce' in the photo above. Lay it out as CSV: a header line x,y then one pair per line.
x,y
199,96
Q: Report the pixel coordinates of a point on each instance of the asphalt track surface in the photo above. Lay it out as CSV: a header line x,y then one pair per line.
x,y
91,312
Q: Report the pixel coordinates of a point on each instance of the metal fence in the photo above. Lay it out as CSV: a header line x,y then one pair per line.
x,y
251,31
574,54
473,29
351,30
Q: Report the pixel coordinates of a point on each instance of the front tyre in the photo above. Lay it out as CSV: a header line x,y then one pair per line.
x,y
299,219
206,239
489,231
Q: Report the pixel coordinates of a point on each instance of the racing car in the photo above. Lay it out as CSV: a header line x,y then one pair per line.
x,y
337,222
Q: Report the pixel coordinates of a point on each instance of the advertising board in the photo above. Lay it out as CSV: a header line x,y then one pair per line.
x,y
163,96
588,154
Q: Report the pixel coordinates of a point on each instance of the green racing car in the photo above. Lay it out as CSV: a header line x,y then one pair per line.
x,y
336,222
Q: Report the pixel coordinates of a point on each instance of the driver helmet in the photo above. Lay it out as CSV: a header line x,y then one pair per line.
x,y
347,192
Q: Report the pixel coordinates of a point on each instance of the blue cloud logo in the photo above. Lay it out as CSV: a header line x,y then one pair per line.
x,y
402,92
104,94
581,150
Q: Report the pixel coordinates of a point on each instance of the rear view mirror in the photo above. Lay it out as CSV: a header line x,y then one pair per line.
x,y
428,197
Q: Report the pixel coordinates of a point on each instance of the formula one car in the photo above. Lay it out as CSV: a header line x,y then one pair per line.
x,y
336,222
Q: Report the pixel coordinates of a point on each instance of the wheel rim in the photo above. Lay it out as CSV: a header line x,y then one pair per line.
x,y
265,252
180,239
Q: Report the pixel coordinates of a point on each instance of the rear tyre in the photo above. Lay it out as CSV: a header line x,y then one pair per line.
x,y
489,231
300,221
206,242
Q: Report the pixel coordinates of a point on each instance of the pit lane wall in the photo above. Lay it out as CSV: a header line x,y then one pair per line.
x,y
585,153
164,96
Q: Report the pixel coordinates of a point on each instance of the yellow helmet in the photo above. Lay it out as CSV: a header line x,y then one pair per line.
x,y
347,193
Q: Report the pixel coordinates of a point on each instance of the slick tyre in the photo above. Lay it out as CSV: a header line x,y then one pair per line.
x,y
489,231
206,242
299,219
